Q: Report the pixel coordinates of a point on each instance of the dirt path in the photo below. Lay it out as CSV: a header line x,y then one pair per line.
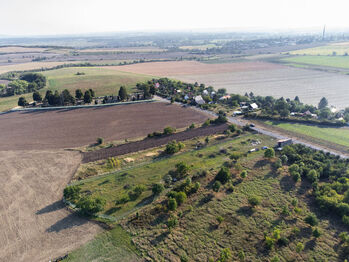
x,y
35,226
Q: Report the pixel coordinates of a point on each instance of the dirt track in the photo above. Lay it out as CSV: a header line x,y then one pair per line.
x,y
77,127
151,142
35,226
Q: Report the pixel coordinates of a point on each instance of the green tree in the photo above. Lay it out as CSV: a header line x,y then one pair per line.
x,y
22,101
182,170
122,93
157,189
269,153
299,247
100,140
172,204
91,206
169,130
216,186
243,174
311,220
316,233
87,97
71,193
92,92
37,97
172,222
78,94
223,175
323,103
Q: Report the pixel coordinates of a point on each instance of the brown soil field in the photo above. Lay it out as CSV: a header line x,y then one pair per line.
x,y
32,66
151,142
35,225
193,67
68,128
20,49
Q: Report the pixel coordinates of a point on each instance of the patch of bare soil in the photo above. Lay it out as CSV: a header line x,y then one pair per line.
x,y
35,225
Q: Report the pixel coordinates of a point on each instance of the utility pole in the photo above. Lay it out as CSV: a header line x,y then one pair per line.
x,y
323,33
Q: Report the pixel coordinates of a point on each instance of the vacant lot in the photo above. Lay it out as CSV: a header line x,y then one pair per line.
x,y
35,226
261,78
76,127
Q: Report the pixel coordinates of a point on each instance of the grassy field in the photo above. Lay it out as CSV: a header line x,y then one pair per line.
x,y
114,245
100,79
104,81
338,136
339,48
332,61
198,236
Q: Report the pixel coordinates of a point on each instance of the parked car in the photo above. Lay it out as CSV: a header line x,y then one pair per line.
x,y
264,147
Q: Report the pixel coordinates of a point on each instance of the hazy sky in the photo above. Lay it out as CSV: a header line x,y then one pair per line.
x,y
41,17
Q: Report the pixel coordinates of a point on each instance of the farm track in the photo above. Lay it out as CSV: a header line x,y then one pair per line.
x,y
151,142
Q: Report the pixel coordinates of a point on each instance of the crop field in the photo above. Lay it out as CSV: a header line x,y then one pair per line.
x,y
338,136
20,49
120,50
341,48
69,128
261,78
198,236
35,225
32,66
330,61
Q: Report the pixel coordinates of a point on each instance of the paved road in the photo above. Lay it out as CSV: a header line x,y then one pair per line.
x,y
263,130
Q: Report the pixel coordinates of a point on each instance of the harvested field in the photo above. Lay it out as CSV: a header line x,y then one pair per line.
x,y
35,225
151,142
261,78
32,66
21,49
193,67
69,128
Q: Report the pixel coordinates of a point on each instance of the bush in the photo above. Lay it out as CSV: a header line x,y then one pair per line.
x,y
269,153
22,101
157,189
254,201
192,126
278,163
136,192
223,175
313,175
206,123
173,147
243,174
180,198
225,255
299,247
311,220
232,128
296,176
100,140
172,204
269,242
316,233
182,170
216,186
284,159
172,222
345,220
219,219
169,130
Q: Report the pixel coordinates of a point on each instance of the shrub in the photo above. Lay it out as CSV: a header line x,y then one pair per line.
x,y
100,140
157,189
311,220
241,255
299,247
180,197
278,163
182,170
225,255
206,123
22,101
219,219
172,204
345,220
192,126
136,192
243,174
232,128
284,159
269,153
269,242
223,175
173,147
275,259
313,175
169,130
296,176
216,186
316,233
254,201
172,222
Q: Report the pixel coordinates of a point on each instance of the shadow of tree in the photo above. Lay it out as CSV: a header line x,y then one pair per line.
x,y
67,222
159,238
245,211
51,208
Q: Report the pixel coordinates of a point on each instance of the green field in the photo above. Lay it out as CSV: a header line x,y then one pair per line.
x,y
339,48
114,245
331,61
198,236
101,79
338,136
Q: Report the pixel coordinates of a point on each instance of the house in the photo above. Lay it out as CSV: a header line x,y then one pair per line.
x,y
224,97
253,106
284,142
199,100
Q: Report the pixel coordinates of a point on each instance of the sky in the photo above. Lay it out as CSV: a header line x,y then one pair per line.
x,y
56,17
